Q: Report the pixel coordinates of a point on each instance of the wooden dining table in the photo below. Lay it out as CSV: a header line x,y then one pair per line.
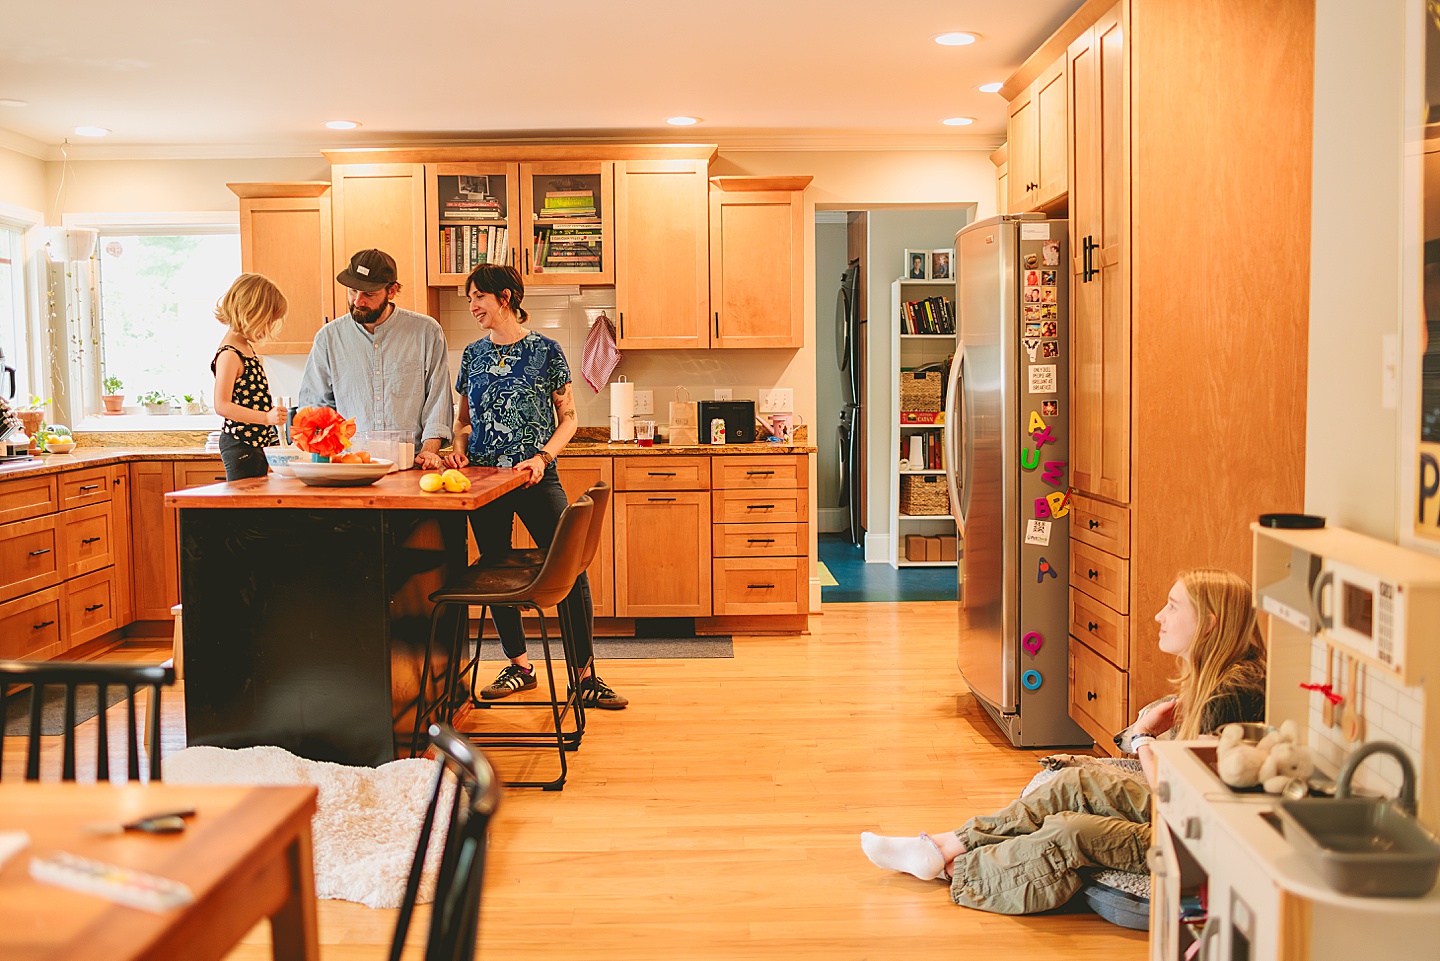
x,y
245,856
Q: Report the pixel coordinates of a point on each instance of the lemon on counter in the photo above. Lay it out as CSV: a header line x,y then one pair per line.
x,y
431,483
455,482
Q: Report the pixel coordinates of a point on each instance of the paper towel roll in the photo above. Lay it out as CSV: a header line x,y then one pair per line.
x,y
917,452
622,410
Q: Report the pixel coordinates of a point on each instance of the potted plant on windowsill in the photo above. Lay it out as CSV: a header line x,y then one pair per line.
x,y
112,397
32,417
194,405
155,401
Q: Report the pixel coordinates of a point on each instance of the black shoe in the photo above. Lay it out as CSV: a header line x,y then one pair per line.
x,y
595,693
513,678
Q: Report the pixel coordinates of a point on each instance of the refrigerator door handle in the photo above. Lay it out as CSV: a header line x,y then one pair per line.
x,y
955,431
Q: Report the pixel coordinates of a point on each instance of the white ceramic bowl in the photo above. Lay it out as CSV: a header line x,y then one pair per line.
x,y
341,475
280,459
60,446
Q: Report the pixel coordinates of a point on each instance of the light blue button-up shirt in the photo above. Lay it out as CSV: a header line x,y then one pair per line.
x,y
394,379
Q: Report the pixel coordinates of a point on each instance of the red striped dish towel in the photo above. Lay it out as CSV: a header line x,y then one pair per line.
x,y
600,356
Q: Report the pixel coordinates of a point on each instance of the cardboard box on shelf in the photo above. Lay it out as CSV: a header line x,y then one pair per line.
x,y
948,546
915,548
932,548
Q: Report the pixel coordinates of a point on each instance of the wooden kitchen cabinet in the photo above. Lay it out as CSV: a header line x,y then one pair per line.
x,y
464,227
662,537
31,627
757,261
578,475
761,510
382,206
1036,170
557,249
285,234
155,579
662,256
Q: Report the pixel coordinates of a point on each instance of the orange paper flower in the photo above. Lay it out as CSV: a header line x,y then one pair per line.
x,y
321,430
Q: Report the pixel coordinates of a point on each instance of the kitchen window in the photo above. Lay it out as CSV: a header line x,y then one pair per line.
x,y
14,340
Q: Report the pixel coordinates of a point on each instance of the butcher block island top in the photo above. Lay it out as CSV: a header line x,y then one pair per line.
x,y
397,491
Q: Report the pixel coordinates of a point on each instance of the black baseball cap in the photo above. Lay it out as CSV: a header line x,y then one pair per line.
x,y
369,271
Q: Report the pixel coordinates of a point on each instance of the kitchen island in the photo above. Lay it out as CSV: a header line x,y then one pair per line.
x,y
307,609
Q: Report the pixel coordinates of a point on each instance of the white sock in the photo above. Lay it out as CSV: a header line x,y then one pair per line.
x,y
918,856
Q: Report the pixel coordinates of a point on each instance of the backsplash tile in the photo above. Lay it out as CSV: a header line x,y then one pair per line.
x,y
1392,712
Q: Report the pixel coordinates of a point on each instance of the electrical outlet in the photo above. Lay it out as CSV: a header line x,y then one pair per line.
x,y
644,402
779,399
723,393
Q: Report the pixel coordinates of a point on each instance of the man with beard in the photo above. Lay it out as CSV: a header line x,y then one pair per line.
x,y
382,365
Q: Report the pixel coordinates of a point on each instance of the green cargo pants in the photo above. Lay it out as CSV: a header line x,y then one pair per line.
x,y
1026,858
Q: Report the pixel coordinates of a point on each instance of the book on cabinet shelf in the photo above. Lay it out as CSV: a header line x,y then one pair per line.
x,y
933,315
463,248
932,452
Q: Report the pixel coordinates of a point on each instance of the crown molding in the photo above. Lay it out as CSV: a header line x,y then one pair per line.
x,y
22,144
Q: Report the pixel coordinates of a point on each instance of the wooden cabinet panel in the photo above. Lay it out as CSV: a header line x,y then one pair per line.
x,y
27,497
1103,576
1099,700
761,540
752,472
745,585
662,258
88,486
442,186
662,473
1052,144
87,539
1024,138
578,475
662,554
198,473
30,556
90,607
1104,630
381,206
1100,525
124,567
30,627
155,576
757,262
288,239
537,261
746,507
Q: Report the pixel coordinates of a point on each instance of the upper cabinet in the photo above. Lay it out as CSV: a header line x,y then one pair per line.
x,y
285,235
1036,171
471,217
382,205
757,261
567,214
662,254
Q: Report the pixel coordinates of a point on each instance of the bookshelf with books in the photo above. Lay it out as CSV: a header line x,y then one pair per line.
x,y
566,233
470,218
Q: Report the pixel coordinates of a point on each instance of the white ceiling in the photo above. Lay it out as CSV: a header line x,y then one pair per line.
x,y
176,76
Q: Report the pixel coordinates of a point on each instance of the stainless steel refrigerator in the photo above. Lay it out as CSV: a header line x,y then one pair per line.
x,y
848,356
1007,443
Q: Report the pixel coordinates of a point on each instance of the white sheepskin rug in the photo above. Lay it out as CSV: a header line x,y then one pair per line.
x,y
367,820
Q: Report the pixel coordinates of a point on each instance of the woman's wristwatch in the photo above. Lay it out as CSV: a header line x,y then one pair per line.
x,y
546,456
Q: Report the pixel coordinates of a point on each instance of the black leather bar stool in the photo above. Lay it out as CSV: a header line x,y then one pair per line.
x,y
524,587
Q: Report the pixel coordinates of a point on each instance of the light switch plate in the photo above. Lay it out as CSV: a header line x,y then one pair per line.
x,y
644,402
723,393
779,399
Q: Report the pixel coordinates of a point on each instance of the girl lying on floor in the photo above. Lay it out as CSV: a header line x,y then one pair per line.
x,y
1027,857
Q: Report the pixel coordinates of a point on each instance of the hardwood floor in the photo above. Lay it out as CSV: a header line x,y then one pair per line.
x,y
719,817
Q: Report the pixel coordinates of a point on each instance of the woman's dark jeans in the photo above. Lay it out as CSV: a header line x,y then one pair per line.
x,y
539,508
242,460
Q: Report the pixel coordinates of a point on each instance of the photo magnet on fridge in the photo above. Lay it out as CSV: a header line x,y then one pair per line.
x,y
1032,346
1047,277
1050,408
1032,328
1038,532
1050,328
1052,349
1051,252
1032,261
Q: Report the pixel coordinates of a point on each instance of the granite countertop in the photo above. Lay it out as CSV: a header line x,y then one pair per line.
x,y
584,448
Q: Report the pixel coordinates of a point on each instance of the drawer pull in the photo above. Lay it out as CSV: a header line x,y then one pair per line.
x,y
93,607
39,552
88,540
1094,524
219,477
661,473
758,587
1093,573
43,624
1091,625
759,473
89,487
661,500
1089,695
759,540
759,507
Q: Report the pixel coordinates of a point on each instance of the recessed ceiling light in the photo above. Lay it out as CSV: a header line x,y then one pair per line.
x,y
958,121
14,103
91,131
341,124
990,87
682,121
955,39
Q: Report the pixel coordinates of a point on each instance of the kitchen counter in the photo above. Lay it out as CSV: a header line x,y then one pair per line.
x,y
582,448
99,457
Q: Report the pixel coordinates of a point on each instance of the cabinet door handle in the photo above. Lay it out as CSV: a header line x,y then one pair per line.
x,y
759,473
39,552
759,540
759,587
88,540
43,624
717,323
93,607
1091,626
527,260
1089,695
219,477
622,325
661,473
1092,573
759,507
89,487
1094,524
661,500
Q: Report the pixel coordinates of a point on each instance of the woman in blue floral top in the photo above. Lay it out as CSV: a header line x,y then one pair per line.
x,y
517,410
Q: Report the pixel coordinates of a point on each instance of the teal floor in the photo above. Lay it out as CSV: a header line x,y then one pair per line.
x,y
859,581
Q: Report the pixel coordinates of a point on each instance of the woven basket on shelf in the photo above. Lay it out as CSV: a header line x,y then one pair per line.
x,y
921,390
924,494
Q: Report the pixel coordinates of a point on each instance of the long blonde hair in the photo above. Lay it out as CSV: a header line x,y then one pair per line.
x,y
253,307
1227,647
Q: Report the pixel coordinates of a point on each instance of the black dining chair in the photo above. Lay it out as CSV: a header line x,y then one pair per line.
x,y
39,676
455,912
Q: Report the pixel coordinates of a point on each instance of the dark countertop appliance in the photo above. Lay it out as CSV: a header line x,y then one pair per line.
x,y
738,415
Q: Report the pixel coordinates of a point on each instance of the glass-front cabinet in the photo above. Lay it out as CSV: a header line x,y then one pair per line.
x,y
471,218
567,223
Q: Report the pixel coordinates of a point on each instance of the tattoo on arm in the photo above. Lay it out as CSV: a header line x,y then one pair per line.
x,y
564,400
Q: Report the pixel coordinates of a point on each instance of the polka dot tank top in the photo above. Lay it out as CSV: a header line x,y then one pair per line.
x,y
251,390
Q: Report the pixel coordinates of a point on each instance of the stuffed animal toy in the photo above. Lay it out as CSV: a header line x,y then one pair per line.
x,y
1271,763
1237,762
1287,759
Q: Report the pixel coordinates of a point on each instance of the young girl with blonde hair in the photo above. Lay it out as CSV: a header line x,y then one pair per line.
x,y
253,309
1027,857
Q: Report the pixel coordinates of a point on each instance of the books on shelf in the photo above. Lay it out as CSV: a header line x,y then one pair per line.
x,y
568,204
933,315
568,248
462,248
932,451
